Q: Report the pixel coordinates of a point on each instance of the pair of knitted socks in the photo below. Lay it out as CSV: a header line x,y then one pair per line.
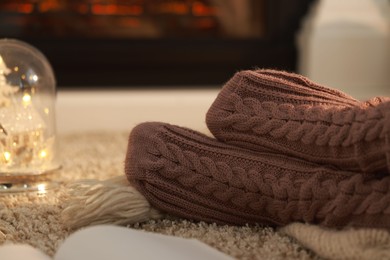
x,y
286,150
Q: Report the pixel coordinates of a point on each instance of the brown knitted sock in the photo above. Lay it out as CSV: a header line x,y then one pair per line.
x,y
188,174
288,114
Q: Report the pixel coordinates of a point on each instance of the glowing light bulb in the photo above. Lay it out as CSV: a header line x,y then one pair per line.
x,y
41,188
26,99
7,156
43,154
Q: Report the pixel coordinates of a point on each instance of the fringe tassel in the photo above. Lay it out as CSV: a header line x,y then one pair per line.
x,y
113,201
2,237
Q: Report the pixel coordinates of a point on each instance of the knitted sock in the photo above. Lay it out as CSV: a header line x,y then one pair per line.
x,y
188,174
288,114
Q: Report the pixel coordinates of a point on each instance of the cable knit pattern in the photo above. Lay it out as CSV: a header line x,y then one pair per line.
x,y
185,173
252,112
322,125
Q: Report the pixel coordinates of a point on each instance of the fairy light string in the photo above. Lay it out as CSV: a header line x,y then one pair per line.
x,y
24,146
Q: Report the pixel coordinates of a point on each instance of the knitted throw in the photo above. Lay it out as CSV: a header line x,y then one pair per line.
x,y
188,174
285,113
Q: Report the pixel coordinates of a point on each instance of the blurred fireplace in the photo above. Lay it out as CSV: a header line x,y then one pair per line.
x,y
155,42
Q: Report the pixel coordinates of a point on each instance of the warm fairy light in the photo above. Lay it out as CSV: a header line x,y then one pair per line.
x,y
26,99
27,131
34,78
43,154
7,156
41,188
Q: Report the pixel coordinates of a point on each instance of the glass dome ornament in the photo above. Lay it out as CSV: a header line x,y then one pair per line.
x,y
28,155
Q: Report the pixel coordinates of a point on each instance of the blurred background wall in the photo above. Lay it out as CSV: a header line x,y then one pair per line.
x,y
111,43
346,45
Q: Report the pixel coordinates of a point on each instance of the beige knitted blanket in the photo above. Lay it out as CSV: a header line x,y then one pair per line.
x,y
35,220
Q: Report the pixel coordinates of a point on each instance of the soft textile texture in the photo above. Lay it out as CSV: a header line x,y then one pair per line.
x,y
188,174
112,201
285,113
345,244
35,220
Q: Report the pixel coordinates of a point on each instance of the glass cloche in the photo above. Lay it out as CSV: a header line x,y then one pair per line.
x,y
27,118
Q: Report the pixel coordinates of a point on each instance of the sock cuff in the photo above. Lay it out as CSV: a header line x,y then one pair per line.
x,y
288,86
